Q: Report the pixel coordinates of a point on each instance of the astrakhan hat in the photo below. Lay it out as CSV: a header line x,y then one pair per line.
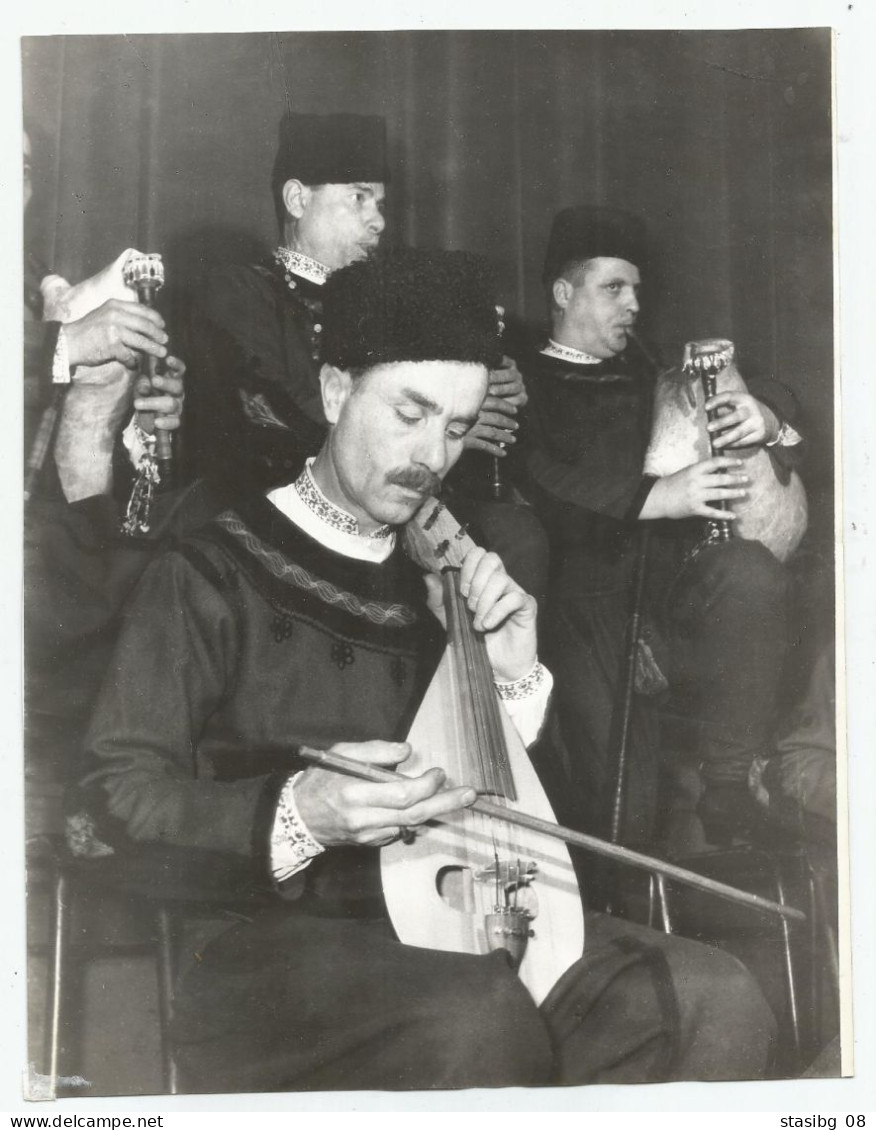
x,y
411,305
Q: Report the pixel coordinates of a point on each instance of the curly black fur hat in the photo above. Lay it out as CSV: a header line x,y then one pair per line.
x,y
411,305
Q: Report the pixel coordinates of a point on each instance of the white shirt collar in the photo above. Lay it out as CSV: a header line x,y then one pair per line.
x,y
303,503
302,265
567,353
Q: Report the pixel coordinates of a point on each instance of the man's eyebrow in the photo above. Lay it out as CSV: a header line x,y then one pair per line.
x,y
433,407
421,401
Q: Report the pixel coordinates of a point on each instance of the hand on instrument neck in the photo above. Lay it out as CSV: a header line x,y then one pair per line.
x,y
500,608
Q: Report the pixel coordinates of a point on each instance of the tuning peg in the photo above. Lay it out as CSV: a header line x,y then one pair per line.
x,y
433,517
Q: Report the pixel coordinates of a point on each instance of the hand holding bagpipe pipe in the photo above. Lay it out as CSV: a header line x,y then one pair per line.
x,y
144,274
115,343
708,450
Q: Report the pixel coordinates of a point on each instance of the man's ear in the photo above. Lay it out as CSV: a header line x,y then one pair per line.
x,y
562,292
295,198
336,384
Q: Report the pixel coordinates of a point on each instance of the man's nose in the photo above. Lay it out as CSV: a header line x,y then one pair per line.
x,y
376,222
431,451
633,302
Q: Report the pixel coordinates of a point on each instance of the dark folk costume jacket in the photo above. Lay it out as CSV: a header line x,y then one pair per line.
x,y
253,411
582,451
246,641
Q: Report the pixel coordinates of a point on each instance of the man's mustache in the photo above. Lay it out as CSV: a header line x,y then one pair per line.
x,y
420,479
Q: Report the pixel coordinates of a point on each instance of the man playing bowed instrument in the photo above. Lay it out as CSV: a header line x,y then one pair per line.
x,y
296,620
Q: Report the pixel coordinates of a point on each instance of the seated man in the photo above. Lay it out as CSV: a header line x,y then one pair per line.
x,y
297,620
720,613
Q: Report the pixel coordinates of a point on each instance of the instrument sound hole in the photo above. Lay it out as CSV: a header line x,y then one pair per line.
x,y
454,885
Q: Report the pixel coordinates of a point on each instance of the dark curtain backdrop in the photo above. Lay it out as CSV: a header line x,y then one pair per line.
x,y
721,140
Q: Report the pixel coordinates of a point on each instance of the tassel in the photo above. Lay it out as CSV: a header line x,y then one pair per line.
x,y
139,512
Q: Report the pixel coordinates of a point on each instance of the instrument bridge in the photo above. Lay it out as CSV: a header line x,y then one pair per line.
x,y
507,874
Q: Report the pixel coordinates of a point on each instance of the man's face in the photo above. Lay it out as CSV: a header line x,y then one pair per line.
x,y
397,431
599,306
340,223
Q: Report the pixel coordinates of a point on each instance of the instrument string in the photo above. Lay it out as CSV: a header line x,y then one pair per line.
x,y
488,742
491,750
464,643
458,641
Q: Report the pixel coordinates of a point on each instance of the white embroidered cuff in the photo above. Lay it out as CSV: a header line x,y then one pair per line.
x,y
61,360
787,437
292,846
526,702
523,688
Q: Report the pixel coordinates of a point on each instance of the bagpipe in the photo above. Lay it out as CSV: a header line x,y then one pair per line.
x,y
774,510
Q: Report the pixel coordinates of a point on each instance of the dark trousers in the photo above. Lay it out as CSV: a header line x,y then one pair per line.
x,y
726,619
299,1002
718,627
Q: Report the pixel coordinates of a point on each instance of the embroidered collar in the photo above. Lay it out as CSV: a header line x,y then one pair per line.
x,y
303,266
334,516
567,353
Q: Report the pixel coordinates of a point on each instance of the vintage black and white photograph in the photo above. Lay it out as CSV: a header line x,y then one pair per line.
x,y
430,577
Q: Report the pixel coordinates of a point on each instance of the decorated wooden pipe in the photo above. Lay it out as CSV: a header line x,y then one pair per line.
x,y
707,359
145,274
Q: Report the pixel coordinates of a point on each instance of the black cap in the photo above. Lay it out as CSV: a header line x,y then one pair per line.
x,y
330,149
591,232
411,305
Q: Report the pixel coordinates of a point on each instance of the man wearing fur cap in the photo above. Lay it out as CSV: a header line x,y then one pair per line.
x,y
296,619
716,617
254,409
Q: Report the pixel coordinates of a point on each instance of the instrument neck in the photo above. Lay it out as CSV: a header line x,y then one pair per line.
x,y
479,707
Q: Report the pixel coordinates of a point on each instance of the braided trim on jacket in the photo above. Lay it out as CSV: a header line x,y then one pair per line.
x,y
292,574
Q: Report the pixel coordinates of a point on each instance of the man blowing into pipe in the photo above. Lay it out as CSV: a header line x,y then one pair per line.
x,y
255,409
296,619
716,617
